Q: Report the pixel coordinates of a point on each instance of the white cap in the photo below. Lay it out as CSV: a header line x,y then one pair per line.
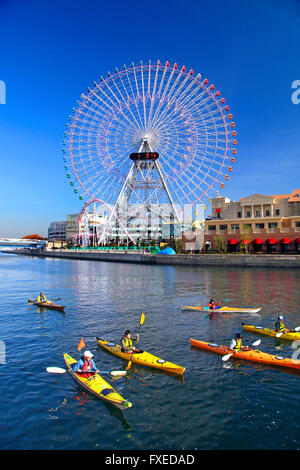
x,y
88,354
280,317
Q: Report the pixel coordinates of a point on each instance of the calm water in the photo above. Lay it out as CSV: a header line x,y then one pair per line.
x,y
231,406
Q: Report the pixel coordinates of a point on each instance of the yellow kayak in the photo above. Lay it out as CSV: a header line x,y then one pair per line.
x,y
222,309
141,357
292,335
98,386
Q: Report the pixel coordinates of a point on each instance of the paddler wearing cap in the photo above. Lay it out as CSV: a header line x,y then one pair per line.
x,y
127,342
280,326
86,367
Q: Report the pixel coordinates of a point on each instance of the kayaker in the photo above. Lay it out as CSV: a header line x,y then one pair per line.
x,y
86,363
213,305
41,298
127,342
280,326
236,343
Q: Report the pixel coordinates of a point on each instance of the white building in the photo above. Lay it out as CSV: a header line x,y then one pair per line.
x,y
57,230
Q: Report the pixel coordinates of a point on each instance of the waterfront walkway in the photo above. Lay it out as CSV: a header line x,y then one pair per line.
x,y
262,260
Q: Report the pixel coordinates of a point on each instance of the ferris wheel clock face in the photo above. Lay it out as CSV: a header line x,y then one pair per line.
x,y
155,112
144,156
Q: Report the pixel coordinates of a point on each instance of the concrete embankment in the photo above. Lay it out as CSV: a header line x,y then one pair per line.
x,y
262,260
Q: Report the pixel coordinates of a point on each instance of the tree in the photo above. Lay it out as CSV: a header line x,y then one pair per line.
x,y
220,245
179,245
246,233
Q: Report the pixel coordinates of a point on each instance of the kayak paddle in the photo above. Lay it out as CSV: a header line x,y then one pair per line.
x,y
141,323
227,300
290,331
220,303
228,356
59,370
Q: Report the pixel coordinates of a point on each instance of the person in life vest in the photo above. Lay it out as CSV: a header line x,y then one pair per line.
x,y
86,367
127,342
213,305
236,343
280,326
42,298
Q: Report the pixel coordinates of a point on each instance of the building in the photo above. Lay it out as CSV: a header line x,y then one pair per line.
x,y
72,227
57,231
257,223
65,230
56,244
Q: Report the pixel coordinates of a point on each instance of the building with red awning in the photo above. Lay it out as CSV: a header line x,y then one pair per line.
x,y
257,223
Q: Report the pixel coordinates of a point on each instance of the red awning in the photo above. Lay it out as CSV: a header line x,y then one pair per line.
x,y
271,241
258,241
232,241
297,241
245,241
285,241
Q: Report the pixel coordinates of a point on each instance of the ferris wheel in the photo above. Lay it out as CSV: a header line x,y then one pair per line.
x,y
149,134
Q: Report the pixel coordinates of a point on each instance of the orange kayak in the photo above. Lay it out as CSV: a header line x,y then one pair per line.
x,y
252,355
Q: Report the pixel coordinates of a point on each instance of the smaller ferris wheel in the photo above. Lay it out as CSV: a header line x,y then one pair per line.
x,y
149,135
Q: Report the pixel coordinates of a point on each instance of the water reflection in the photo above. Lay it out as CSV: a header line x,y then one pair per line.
x,y
104,299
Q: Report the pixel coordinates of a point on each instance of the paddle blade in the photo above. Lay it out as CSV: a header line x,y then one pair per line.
x,y
297,328
118,373
256,343
227,300
228,356
56,370
206,308
129,365
142,319
80,344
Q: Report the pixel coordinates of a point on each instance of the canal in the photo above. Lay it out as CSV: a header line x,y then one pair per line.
x,y
233,405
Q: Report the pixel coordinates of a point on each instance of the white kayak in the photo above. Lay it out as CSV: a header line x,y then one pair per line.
x,y
222,309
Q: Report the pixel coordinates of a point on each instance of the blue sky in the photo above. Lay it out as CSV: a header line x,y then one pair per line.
x,y
52,50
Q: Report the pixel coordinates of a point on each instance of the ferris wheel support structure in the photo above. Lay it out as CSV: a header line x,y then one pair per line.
x,y
137,170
